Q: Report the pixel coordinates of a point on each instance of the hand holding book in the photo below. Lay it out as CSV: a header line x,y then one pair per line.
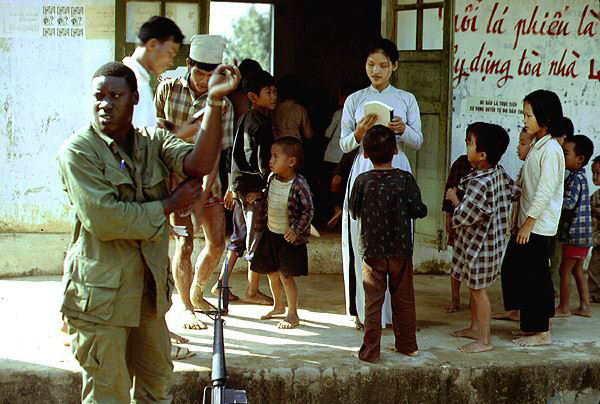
x,y
363,126
397,125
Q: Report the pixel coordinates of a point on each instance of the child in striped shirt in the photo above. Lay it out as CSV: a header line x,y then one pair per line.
x,y
575,226
281,252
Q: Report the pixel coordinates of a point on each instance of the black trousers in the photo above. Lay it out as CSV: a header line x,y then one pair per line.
x,y
527,282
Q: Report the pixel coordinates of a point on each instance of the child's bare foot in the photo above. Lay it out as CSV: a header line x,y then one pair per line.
x,y
258,298
537,339
519,333
453,307
291,321
581,311
465,333
475,347
274,312
511,315
560,312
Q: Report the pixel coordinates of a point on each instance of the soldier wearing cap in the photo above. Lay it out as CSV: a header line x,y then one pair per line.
x,y
177,100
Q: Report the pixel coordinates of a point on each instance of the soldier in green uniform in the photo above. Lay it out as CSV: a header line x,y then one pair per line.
x,y
117,278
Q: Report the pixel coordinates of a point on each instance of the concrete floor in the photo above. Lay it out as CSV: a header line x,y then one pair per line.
x,y
325,343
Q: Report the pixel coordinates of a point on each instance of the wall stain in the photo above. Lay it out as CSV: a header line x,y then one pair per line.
x,y
5,45
35,190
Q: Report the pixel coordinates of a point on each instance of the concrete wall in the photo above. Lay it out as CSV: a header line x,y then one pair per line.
x,y
527,45
45,81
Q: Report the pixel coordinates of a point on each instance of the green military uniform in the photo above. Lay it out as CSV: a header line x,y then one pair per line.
x,y
117,277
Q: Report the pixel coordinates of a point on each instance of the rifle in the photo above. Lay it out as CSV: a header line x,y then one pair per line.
x,y
219,393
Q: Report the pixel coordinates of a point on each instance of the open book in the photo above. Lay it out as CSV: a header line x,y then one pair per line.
x,y
384,112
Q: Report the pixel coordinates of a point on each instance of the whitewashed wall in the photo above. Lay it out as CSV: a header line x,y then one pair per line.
x,y
44,96
575,26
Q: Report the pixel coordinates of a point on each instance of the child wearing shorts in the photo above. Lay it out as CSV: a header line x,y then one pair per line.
x,y
575,226
281,252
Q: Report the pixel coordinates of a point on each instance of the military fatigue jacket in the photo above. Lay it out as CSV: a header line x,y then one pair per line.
x,y
120,238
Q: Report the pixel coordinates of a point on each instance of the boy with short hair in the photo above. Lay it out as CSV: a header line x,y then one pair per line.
x,y
249,172
281,252
384,201
594,265
481,221
566,130
459,169
575,226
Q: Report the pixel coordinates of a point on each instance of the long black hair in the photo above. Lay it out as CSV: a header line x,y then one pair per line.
x,y
547,110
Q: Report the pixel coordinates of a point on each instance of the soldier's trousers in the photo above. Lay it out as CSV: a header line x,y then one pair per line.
x,y
116,358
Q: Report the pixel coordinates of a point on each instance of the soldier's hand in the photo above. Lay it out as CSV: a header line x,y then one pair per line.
x,y
165,124
184,196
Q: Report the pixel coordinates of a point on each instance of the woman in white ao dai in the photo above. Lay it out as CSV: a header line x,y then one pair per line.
x,y
382,61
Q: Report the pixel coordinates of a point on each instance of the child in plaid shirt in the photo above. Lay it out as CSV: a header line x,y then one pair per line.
x,y
575,226
281,252
481,221
594,265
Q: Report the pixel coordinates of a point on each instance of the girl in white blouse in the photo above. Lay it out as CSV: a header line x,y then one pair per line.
x,y
382,61
526,280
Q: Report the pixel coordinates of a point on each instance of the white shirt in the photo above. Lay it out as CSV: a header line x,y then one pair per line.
x,y
333,154
277,212
144,113
543,186
404,104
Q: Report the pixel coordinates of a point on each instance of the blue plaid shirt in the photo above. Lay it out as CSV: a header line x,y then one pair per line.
x,y
575,227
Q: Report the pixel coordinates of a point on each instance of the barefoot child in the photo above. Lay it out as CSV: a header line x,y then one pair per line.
x,y
481,221
249,171
281,252
575,227
525,143
459,169
384,200
566,129
526,280
594,265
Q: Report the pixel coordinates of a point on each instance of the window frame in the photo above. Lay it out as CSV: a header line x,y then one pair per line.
x,y
419,6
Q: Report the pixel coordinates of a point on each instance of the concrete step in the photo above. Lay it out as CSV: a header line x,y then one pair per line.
x,y
27,254
315,362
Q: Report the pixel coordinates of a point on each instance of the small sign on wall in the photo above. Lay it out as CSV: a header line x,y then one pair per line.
x,y
99,22
20,21
496,106
63,21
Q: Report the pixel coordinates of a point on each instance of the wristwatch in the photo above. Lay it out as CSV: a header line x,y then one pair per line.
x,y
214,103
